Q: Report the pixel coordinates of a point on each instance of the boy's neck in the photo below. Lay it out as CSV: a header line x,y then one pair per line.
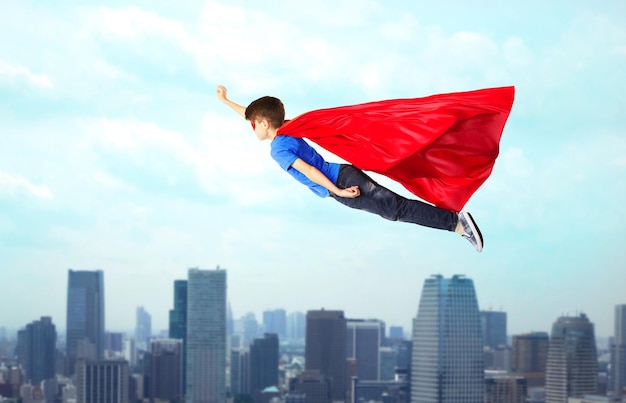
x,y
272,133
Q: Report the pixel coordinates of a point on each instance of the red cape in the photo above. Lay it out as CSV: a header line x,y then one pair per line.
x,y
441,147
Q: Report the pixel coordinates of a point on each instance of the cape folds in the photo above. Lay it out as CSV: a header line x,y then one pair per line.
x,y
441,147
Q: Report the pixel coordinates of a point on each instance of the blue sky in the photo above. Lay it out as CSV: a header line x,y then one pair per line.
x,y
116,155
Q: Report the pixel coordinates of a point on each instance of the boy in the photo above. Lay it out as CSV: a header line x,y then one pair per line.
x,y
344,182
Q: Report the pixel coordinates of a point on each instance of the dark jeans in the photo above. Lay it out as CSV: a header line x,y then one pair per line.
x,y
382,201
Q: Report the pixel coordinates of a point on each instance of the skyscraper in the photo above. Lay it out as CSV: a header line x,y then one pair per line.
x,y
263,363
178,321
178,315
206,336
275,321
143,329
572,366
296,325
529,355
37,350
164,370
239,371
618,353
447,363
363,341
85,313
493,326
325,348
250,328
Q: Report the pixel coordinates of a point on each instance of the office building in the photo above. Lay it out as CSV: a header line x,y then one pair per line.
x,y
325,348
264,363
396,332
239,371
85,315
447,363
163,369
617,377
363,341
178,321
36,348
388,363
572,365
143,329
114,342
275,321
296,326
102,381
178,315
206,336
493,325
529,354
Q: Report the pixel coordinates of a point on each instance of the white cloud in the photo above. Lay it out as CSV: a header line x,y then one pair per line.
x,y
224,158
402,30
15,183
16,73
132,23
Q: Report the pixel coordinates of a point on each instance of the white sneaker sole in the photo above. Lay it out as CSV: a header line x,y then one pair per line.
x,y
475,231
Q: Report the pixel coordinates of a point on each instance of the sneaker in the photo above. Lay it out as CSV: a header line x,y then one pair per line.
x,y
472,233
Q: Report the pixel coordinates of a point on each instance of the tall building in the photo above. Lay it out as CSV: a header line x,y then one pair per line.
x,y
396,332
388,363
447,363
178,321
178,315
114,341
572,366
296,326
275,321
102,381
325,348
264,363
230,324
163,369
85,314
37,350
529,354
143,329
618,353
493,325
363,341
206,336
239,371
250,328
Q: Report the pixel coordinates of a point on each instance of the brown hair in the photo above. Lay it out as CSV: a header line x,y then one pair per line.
x,y
269,108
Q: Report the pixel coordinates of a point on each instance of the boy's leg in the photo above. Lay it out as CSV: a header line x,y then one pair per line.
x,y
379,200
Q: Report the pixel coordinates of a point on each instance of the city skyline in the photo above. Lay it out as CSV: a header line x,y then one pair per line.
x,y
258,316
117,156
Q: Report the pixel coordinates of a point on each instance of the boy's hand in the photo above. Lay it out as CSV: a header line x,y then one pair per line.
x,y
349,193
222,93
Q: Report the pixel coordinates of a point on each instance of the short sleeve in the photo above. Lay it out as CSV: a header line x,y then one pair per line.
x,y
284,152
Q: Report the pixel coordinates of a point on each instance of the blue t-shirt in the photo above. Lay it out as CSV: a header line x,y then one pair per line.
x,y
286,149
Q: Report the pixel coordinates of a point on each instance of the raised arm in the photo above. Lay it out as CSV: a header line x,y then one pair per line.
x,y
223,96
315,175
